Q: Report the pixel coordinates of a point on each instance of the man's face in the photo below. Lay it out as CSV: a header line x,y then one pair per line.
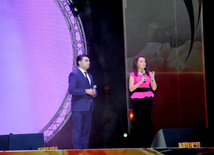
x,y
85,63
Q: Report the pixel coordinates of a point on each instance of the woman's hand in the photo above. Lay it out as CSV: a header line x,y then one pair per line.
x,y
152,75
143,79
153,83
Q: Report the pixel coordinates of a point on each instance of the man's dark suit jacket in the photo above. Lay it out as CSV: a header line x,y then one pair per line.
x,y
77,85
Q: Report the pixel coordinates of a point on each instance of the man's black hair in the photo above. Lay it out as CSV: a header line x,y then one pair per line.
x,y
79,58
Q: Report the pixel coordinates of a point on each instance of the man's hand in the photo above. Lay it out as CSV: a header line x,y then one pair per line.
x,y
90,91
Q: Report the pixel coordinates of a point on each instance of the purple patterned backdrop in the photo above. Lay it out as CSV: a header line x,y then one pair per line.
x,y
35,60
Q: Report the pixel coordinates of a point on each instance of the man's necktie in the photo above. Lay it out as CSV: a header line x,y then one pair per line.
x,y
87,77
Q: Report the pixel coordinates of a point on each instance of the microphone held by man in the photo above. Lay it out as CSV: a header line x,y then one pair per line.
x,y
91,91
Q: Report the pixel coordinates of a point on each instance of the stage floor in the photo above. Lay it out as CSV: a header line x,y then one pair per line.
x,y
84,152
119,151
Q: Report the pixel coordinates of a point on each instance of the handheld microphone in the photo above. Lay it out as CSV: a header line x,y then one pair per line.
x,y
144,75
94,87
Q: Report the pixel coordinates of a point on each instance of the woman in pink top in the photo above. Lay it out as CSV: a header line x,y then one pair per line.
x,y
142,85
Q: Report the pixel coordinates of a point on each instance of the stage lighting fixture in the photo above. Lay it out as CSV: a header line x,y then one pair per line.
x,y
76,7
131,114
125,135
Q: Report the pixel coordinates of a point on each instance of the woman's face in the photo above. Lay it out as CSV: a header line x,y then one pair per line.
x,y
141,63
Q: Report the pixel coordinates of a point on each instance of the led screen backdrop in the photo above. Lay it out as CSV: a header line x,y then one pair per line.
x,y
35,61
169,34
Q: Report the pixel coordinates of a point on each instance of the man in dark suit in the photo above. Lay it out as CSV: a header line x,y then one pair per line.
x,y
81,88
